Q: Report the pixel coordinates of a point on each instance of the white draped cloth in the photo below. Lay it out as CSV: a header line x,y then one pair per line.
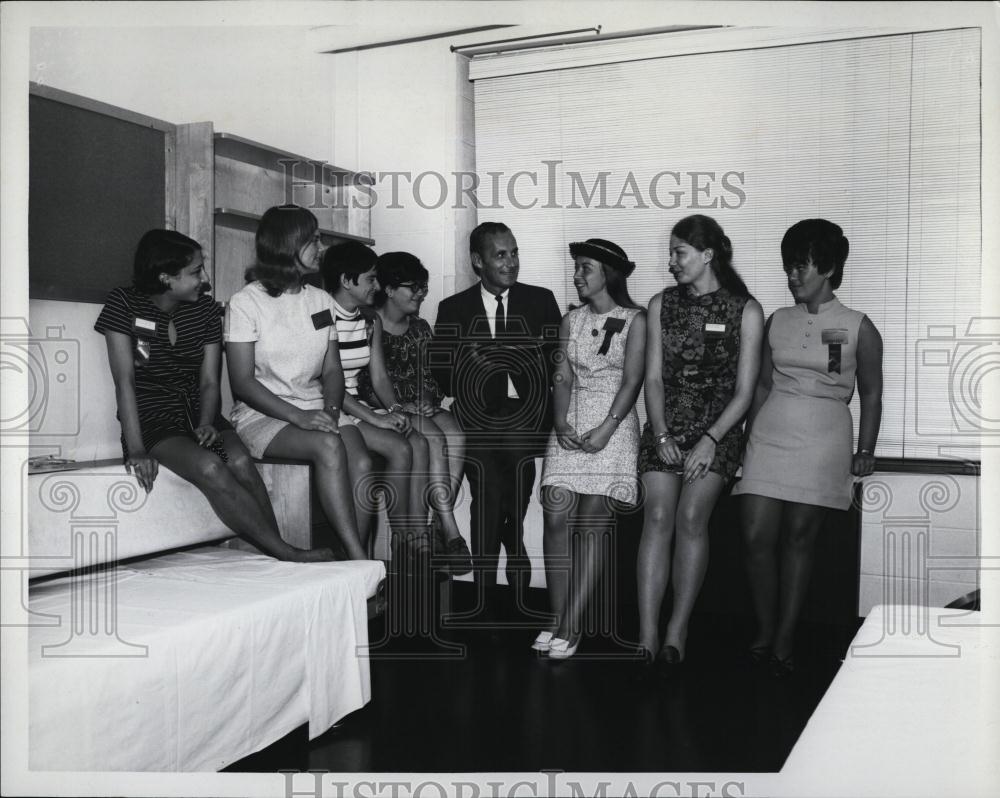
x,y
191,661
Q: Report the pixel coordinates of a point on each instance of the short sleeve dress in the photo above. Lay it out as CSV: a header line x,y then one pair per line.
x,y
291,334
596,351
167,375
405,357
700,337
801,440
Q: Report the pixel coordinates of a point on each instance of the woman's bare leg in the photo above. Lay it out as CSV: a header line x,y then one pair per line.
x,y
328,455
662,491
694,510
235,506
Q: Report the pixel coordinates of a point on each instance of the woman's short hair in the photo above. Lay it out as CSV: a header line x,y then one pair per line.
x,y
350,258
394,269
819,241
161,252
281,233
703,232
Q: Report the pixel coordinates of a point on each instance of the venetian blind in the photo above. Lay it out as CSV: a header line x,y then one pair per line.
x,y
880,135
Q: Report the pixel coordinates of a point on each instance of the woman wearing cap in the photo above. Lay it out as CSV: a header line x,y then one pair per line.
x,y
590,459
702,357
799,462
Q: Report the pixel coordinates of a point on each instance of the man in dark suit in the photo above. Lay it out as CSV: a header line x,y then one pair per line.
x,y
494,348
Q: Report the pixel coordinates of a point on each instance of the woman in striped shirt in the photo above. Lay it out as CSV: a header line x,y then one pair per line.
x,y
349,275
164,341
284,366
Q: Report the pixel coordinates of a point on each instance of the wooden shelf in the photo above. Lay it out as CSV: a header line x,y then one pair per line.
x,y
241,220
252,152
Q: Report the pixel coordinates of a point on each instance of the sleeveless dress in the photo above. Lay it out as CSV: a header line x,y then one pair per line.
x,y
700,338
597,356
801,440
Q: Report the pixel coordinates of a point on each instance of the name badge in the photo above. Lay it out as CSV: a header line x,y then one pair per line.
x,y
834,339
144,325
714,330
322,319
141,354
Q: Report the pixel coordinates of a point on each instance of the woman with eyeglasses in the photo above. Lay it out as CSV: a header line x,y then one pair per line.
x,y
164,339
403,281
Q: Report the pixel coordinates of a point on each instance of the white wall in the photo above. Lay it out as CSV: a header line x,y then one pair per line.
x,y
408,108
920,539
262,83
80,409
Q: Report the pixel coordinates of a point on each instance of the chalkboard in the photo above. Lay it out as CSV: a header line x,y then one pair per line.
x,y
96,184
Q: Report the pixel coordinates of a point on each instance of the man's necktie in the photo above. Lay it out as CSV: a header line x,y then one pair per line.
x,y
500,326
498,380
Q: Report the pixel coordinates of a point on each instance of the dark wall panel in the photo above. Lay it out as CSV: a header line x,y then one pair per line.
x,y
96,185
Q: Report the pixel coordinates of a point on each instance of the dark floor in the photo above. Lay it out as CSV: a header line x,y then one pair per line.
x,y
497,707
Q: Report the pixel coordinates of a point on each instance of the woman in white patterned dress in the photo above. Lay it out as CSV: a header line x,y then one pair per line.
x,y
592,453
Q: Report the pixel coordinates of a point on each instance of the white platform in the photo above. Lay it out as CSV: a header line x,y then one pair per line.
x,y
914,710
191,661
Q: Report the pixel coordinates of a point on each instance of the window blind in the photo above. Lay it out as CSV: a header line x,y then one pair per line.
x,y
880,135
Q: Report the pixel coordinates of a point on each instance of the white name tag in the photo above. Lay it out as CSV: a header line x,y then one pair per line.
x,y
145,324
715,328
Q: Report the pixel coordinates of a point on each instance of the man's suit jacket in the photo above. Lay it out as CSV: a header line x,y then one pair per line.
x,y
467,360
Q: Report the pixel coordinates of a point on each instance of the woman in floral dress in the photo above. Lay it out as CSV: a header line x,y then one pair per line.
x,y
702,358
403,287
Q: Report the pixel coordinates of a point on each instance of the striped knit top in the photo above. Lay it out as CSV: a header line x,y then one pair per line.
x,y
163,371
354,341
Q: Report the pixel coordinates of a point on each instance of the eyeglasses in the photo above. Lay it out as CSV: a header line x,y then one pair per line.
x,y
416,288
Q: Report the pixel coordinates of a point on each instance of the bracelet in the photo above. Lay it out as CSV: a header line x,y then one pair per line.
x,y
663,437
864,451
711,437
615,417
334,408
394,408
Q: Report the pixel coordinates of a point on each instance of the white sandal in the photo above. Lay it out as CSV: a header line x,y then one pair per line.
x,y
542,641
562,649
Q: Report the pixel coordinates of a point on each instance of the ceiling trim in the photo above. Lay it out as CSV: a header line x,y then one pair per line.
x,y
412,39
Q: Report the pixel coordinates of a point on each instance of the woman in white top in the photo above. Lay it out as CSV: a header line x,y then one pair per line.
x,y
284,366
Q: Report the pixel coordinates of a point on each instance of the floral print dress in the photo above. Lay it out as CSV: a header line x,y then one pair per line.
x,y
406,365
700,338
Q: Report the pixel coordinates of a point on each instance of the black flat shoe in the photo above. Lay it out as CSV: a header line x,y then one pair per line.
x,y
758,656
459,557
781,668
668,661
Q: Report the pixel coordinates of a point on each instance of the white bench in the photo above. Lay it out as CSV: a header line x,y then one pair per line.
x,y
185,660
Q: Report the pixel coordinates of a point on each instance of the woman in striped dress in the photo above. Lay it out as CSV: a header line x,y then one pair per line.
x,y
164,339
349,275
